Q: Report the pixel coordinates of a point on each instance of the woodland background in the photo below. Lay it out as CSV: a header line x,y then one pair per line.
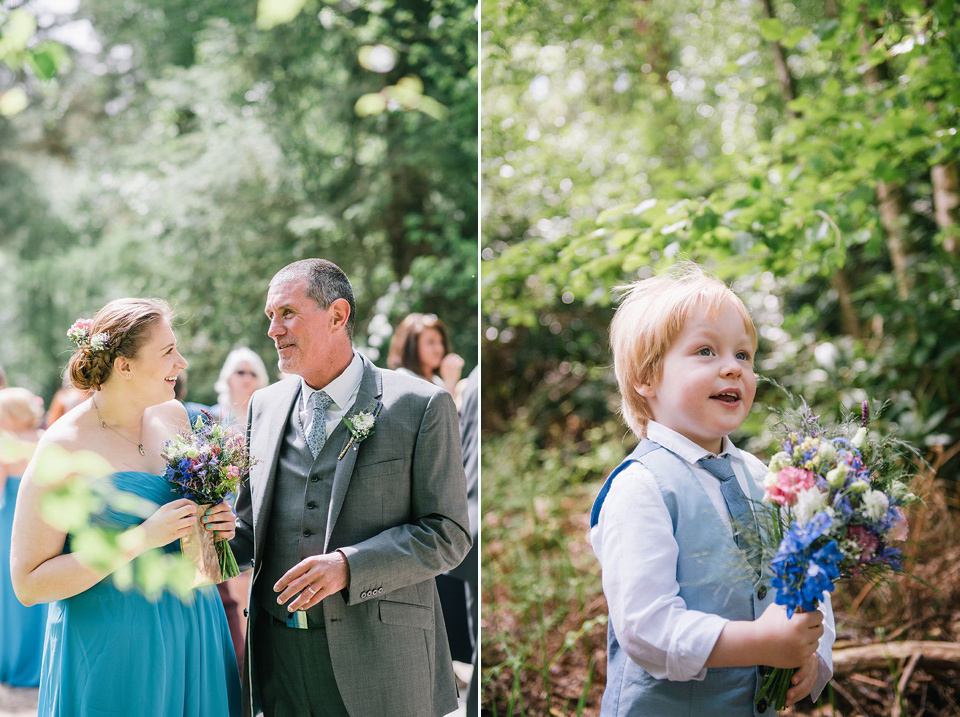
x,y
804,151
190,149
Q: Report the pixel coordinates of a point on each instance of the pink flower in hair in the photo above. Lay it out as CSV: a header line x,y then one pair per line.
x,y
79,333
788,483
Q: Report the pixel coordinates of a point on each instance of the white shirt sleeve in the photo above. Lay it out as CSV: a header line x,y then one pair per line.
x,y
634,542
825,648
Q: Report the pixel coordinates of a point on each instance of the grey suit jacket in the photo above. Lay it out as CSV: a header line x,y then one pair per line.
x,y
398,512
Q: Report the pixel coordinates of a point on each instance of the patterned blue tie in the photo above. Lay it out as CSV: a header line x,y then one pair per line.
x,y
318,429
739,508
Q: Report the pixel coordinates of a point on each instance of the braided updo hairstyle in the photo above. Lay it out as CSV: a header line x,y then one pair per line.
x,y
128,323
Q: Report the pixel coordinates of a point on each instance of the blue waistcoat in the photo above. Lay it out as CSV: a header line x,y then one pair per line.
x,y
714,577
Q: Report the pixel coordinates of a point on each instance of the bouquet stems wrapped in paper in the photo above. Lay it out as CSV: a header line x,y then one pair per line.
x,y
205,465
836,511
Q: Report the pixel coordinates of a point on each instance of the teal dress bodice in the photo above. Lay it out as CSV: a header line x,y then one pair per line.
x,y
117,653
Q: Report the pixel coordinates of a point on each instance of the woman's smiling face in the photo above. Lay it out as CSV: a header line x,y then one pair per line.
x,y
157,365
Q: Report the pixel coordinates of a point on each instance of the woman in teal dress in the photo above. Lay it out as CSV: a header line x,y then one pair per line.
x,y
21,628
107,651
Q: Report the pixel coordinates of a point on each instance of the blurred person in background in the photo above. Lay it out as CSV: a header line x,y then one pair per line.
x,y
243,373
65,399
469,570
421,346
21,628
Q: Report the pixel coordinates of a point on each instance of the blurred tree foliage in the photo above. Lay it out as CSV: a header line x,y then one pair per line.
x,y
805,151
184,153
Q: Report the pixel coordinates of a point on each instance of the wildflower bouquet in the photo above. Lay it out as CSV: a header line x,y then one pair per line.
x,y
837,510
205,465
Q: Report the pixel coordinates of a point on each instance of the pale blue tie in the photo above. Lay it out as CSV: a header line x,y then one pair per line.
x,y
741,515
318,428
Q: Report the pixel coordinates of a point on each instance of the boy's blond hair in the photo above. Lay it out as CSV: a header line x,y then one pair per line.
x,y
651,314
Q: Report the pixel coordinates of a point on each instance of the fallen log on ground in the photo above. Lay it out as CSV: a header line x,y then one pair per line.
x,y
879,656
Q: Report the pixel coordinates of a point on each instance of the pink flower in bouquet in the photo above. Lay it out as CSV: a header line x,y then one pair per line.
x,y
789,482
865,539
900,529
233,471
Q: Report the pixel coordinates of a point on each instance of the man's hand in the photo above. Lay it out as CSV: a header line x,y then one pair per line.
x,y
802,682
313,579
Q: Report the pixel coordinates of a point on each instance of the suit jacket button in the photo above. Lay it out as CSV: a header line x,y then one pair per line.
x,y
379,590
761,594
762,705
307,534
314,479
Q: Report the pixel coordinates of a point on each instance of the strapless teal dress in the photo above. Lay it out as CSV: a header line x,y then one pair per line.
x,y
21,628
112,653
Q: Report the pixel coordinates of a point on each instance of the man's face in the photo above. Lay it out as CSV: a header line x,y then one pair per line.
x,y
302,332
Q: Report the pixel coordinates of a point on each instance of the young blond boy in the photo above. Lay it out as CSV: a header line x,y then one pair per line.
x,y
693,628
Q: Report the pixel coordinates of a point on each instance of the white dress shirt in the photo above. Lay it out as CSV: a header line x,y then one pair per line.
x,y
342,390
634,541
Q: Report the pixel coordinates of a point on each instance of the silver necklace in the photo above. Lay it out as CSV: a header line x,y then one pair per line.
x,y
104,426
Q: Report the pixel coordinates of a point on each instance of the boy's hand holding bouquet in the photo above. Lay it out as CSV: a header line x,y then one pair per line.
x,y
836,509
205,465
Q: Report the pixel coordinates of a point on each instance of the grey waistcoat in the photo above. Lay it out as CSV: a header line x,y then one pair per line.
x,y
713,577
298,515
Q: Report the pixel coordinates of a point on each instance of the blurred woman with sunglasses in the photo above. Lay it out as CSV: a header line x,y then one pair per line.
x,y
243,373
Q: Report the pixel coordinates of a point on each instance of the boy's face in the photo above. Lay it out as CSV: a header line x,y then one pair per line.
x,y
708,383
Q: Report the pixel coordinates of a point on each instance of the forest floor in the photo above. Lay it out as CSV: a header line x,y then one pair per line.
x,y
550,659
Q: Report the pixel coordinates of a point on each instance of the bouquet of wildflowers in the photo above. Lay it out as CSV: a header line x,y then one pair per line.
x,y
837,510
205,465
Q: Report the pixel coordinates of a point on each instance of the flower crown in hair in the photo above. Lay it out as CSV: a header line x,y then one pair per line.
x,y
79,333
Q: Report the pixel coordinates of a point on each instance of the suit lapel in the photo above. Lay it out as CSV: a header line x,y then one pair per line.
x,y
368,396
265,447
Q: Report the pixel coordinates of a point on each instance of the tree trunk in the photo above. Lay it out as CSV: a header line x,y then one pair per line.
x,y
891,196
787,80
946,201
893,209
848,316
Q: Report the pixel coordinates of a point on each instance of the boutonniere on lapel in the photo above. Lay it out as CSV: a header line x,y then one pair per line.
x,y
360,425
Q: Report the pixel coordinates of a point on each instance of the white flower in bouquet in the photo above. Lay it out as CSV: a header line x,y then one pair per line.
x,y
809,502
837,477
827,452
859,438
779,460
859,486
875,505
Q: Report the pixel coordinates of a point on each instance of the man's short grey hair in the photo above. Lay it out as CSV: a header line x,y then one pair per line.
x,y
326,283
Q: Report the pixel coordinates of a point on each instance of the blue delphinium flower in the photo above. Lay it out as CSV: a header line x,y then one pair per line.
x,y
803,573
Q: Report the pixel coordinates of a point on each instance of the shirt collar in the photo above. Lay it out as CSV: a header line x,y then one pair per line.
x,y
684,447
339,389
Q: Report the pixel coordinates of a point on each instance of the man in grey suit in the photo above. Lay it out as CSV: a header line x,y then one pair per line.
x,y
357,502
